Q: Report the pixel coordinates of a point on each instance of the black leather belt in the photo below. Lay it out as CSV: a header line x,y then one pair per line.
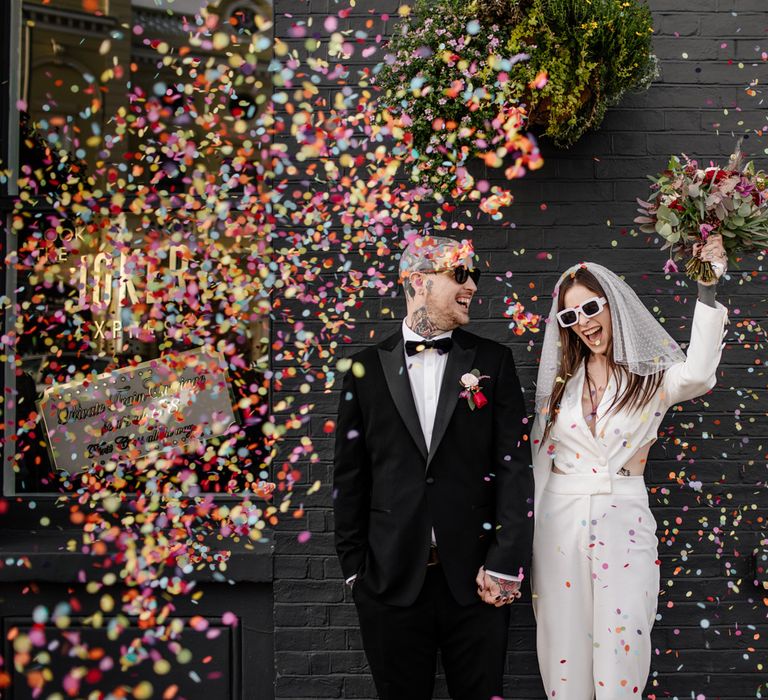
x,y
433,559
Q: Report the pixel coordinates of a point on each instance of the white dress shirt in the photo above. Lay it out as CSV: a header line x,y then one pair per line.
x,y
425,372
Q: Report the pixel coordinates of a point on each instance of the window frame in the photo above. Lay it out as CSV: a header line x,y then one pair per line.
x,y
10,38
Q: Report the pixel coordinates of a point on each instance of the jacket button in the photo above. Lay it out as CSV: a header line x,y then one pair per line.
x,y
430,479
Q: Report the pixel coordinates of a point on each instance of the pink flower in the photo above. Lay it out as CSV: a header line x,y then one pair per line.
x,y
670,267
705,230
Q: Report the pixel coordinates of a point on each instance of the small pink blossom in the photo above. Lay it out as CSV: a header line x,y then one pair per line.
x,y
670,267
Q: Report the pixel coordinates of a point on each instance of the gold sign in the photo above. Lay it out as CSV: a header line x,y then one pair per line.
x,y
160,406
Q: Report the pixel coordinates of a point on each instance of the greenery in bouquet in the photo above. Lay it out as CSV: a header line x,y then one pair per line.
x,y
448,83
591,52
689,203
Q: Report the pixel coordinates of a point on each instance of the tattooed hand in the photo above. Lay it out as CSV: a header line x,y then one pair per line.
x,y
496,591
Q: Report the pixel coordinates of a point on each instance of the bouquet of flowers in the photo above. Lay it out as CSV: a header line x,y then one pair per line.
x,y
688,203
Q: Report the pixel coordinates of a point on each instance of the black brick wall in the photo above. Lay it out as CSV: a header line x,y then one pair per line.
x,y
711,635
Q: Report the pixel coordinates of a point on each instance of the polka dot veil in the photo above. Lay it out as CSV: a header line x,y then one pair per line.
x,y
640,343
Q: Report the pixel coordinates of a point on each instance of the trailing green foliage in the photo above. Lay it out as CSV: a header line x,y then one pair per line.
x,y
593,52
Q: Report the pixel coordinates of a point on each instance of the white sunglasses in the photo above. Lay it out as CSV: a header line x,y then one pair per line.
x,y
591,307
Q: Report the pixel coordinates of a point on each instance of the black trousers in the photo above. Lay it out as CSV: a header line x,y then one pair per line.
x,y
401,643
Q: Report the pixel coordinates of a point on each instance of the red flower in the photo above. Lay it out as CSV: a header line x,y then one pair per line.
x,y
479,398
715,175
675,204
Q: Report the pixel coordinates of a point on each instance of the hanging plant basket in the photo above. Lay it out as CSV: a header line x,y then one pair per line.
x,y
469,79
447,82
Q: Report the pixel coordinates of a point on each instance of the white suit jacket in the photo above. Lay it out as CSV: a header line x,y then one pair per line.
x,y
618,436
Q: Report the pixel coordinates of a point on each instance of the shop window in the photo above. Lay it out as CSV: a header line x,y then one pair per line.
x,y
134,234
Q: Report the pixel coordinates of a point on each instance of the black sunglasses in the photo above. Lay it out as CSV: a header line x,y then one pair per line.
x,y
461,273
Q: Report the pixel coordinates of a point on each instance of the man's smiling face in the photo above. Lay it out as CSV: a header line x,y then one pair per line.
x,y
446,301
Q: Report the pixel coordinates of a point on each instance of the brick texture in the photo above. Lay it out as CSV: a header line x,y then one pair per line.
x,y
706,473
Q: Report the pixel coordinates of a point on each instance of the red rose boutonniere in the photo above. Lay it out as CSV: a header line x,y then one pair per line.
x,y
473,392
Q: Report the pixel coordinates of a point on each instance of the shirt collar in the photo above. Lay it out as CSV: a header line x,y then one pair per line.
x,y
408,334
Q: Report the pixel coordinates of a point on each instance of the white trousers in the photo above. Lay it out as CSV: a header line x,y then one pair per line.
x,y
596,585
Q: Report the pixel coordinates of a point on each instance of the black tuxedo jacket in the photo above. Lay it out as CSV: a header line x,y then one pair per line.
x,y
474,485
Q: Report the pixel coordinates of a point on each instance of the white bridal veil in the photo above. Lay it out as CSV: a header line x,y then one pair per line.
x,y
640,343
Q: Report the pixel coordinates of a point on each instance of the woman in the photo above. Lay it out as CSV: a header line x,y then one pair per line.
x,y
608,374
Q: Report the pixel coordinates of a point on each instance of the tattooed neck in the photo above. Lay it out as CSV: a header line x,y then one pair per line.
x,y
422,324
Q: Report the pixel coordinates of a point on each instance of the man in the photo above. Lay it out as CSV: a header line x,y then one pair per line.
x,y
433,488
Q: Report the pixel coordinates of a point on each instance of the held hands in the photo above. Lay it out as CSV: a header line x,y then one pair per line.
x,y
496,591
714,253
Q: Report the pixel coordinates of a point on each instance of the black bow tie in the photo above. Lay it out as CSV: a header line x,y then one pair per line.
x,y
442,345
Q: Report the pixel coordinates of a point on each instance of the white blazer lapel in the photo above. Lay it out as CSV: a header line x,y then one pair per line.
x,y
574,414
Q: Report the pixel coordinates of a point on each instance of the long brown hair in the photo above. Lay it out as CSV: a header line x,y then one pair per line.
x,y
638,389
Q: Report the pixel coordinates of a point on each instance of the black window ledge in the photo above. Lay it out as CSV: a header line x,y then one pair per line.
x,y
43,556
